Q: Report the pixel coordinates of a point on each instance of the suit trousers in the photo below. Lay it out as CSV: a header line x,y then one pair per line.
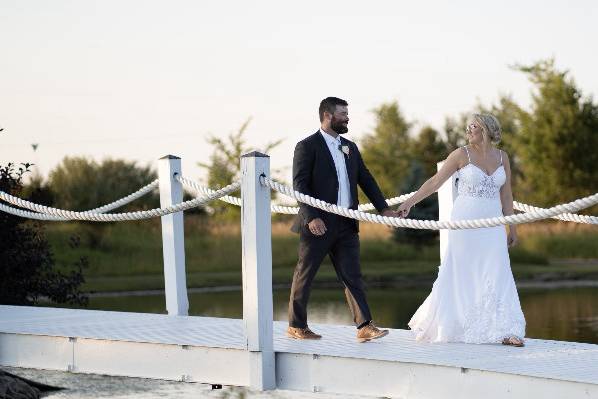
x,y
341,243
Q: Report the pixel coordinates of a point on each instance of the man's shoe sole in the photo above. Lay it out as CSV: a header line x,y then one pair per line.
x,y
383,334
296,337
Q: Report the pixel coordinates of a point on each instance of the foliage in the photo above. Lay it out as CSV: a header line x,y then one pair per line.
x,y
428,148
558,140
454,129
387,150
80,183
27,264
225,167
509,114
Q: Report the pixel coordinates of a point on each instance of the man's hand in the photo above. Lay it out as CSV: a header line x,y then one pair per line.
x,y
390,213
317,227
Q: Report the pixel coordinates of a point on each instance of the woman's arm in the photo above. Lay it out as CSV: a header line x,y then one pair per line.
x,y
452,163
506,199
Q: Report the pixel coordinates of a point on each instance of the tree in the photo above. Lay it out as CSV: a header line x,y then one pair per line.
x,y
454,129
225,167
509,115
558,140
27,265
387,150
429,148
80,183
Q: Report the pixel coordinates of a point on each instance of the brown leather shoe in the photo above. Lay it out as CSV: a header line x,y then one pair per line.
x,y
369,332
513,341
302,333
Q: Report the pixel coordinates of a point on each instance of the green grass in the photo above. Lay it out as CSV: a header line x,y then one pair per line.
x,y
128,256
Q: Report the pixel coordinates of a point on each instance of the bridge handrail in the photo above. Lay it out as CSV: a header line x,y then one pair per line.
x,y
112,217
293,210
573,206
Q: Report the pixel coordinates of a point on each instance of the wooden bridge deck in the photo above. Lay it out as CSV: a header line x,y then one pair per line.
x,y
213,350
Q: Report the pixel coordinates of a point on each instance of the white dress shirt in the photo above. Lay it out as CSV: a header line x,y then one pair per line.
x,y
344,191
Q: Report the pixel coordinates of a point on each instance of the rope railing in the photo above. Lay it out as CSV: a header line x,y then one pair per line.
x,y
293,210
102,209
532,216
53,214
567,217
190,184
112,217
290,210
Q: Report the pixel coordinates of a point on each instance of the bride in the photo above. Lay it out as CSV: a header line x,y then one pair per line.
x,y
474,298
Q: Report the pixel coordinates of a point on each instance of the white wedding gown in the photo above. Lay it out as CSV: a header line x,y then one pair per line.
x,y
474,298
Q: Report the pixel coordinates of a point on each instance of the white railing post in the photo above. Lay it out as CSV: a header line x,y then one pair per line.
x,y
173,238
446,196
257,270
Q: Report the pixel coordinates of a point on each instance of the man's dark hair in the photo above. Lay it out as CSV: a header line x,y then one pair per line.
x,y
329,105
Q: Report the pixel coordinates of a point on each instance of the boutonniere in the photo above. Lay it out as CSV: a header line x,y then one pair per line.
x,y
344,149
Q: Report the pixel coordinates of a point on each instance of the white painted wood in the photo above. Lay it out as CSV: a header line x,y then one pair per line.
x,y
195,349
353,376
173,238
162,361
36,351
257,269
446,196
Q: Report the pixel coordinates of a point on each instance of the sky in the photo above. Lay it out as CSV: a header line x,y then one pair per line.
x,y
142,79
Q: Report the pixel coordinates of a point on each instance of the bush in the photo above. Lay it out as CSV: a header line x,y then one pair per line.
x,y
27,264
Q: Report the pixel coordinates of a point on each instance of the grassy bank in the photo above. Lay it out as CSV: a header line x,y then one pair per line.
x,y
128,256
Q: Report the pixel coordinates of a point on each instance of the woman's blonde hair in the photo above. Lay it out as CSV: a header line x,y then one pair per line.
x,y
490,126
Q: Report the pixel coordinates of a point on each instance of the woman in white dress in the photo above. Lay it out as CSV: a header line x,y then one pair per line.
x,y
474,298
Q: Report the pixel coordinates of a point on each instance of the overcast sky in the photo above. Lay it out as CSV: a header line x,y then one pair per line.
x,y
142,79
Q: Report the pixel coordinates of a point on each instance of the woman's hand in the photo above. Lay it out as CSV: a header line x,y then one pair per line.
x,y
512,239
404,209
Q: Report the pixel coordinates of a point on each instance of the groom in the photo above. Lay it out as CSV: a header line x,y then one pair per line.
x,y
329,167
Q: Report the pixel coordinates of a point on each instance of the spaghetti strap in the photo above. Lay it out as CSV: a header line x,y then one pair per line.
x,y
467,151
500,156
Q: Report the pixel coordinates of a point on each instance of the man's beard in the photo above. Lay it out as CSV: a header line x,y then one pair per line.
x,y
338,126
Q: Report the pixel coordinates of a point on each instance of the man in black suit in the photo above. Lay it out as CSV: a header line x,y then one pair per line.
x,y
329,167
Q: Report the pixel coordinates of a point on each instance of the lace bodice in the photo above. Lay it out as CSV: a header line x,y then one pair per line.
x,y
475,182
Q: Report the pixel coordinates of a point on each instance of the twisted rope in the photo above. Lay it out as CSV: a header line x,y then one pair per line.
x,y
112,217
190,184
102,209
432,224
567,217
289,210
293,210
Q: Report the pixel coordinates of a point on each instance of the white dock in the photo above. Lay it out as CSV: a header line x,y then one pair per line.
x,y
214,351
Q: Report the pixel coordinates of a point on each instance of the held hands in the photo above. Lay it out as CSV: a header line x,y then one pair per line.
x,y
390,213
404,209
317,227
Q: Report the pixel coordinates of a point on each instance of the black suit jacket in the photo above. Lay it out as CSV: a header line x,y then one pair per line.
x,y
314,174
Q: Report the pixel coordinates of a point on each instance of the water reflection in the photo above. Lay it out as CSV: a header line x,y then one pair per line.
x,y
568,314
